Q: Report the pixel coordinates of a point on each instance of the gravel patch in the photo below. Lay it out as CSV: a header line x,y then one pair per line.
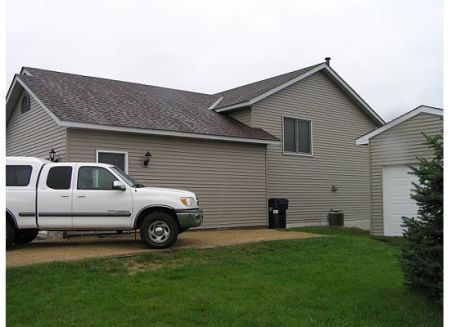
x,y
101,246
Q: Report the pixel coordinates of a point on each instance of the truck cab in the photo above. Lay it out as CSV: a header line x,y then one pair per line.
x,y
42,195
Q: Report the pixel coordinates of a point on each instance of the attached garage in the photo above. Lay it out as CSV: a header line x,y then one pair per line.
x,y
228,177
393,148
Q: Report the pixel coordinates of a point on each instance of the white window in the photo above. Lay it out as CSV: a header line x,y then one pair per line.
x,y
116,158
297,136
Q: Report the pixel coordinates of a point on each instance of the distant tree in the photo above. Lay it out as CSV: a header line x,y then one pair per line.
x,y
422,250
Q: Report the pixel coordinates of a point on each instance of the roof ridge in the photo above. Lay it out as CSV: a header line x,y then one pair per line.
x,y
425,105
111,79
163,87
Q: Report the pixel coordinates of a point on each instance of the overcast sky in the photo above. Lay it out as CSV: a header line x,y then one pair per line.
x,y
389,51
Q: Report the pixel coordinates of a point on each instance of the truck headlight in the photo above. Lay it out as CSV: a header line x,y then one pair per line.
x,y
188,201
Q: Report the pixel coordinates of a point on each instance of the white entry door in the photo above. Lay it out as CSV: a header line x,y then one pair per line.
x,y
397,202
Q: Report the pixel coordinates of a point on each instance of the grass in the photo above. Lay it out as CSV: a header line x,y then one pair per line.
x,y
347,279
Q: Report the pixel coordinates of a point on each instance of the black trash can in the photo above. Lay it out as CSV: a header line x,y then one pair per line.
x,y
277,212
336,218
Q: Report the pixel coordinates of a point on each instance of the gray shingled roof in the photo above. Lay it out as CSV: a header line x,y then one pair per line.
x,y
83,99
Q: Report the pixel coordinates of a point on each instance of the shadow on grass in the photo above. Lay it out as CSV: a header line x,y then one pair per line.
x,y
349,231
321,230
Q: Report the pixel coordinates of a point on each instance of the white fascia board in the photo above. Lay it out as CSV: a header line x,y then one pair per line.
x,y
272,91
215,103
51,114
11,88
14,83
421,109
355,95
163,133
24,71
288,83
234,106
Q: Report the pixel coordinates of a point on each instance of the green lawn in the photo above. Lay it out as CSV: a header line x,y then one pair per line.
x,y
346,279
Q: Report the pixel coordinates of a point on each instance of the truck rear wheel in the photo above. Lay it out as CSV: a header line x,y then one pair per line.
x,y
25,236
10,233
159,230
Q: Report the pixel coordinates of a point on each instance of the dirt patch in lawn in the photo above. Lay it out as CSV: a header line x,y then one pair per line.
x,y
134,266
123,245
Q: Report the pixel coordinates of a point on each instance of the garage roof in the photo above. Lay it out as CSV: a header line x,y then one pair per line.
x,y
421,109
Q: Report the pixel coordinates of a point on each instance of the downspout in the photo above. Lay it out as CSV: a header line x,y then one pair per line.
x,y
370,189
267,187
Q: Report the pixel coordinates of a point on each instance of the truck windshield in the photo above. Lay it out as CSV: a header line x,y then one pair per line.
x,y
130,181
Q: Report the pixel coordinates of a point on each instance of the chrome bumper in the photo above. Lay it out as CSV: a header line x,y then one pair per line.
x,y
190,217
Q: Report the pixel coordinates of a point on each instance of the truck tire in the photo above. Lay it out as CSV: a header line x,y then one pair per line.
x,y
25,236
159,230
10,233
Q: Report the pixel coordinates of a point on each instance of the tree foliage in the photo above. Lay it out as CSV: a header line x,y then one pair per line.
x,y
422,250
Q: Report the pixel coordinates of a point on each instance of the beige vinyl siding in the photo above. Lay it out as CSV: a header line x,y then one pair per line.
x,y
243,115
307,180
228,177
400,145
34,133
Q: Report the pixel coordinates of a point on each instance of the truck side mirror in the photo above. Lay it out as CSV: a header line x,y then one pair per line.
x,y
118,185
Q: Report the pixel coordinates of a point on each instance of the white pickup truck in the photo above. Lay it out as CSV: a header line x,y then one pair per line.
x,y
42,195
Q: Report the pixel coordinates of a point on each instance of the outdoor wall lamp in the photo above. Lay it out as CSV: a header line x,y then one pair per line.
x,y
147,158
52,155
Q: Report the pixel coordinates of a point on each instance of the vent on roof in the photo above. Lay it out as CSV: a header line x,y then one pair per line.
x,y
327,60
25,105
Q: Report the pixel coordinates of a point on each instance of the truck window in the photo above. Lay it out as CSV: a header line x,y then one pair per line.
x,y
95,178
59,178
18,175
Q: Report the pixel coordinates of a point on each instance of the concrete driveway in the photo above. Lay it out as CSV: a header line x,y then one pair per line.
x,y
78,248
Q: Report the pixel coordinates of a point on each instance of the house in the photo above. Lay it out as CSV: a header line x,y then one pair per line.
x,y
392,148
290,136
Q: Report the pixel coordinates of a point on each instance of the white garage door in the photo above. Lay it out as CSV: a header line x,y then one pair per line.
x,y
397,203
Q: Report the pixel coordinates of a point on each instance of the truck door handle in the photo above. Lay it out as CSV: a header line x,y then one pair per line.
x,y
65,196
81,196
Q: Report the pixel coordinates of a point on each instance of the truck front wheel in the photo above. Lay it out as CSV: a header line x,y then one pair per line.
x,y
25,236
10,233
159,230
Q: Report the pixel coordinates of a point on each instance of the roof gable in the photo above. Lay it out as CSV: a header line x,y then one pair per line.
x,y
365,139
249,94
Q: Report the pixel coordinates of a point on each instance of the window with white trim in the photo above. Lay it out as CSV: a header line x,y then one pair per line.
x,y
115,158
297,136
